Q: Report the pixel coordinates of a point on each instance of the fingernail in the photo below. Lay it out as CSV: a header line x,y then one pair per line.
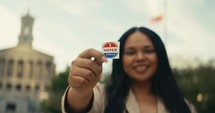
x,y
104,59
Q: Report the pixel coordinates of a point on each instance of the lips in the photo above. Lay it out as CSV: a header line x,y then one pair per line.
x,y
140,68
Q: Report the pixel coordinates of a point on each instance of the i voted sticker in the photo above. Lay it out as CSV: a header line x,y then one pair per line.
x,y
111,50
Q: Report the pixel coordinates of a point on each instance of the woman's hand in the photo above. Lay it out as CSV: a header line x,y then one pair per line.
x,y
86,71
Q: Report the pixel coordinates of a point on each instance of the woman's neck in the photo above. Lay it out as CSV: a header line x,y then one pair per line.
x,y
142,90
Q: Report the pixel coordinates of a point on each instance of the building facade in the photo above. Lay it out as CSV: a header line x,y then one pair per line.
x,y
25,74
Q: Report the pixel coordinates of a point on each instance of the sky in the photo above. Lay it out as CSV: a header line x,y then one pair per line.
x,y
64,28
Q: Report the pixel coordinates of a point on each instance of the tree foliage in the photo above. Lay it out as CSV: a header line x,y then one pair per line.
x,y
198,86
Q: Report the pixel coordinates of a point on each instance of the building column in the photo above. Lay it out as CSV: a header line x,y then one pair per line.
x,y
25,69
35,70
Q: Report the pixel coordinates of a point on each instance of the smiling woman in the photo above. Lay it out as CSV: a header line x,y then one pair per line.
x,y
141,80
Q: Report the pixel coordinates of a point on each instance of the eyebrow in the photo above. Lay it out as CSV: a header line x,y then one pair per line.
x,y
145,47
149,46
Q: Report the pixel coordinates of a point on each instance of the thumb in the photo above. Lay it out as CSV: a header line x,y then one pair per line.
x,y
100,62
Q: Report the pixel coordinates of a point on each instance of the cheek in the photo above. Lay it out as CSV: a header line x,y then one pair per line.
x,y
154,61
127,62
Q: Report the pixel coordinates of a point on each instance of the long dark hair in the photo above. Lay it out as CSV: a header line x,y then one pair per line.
x,y
163,82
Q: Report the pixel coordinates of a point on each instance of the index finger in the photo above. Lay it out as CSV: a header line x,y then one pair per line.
x,y
93,53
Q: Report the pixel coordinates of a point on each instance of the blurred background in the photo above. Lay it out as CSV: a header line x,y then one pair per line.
x,y
40,38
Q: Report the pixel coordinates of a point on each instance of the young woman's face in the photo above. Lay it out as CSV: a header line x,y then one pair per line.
x,y
139,57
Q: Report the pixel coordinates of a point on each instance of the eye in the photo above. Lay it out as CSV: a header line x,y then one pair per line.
x,y
129,52
149,51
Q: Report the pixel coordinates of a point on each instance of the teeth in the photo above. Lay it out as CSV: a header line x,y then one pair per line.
x,y
140,68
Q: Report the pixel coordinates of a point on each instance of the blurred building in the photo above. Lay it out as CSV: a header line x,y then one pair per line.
x,y
25,74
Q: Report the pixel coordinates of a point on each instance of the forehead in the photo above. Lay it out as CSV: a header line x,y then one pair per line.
x,y
138,38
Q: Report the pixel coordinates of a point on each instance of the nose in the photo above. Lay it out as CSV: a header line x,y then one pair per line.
x,y
140,56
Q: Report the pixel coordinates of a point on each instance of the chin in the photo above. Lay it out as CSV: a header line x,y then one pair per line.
x,y
141,78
